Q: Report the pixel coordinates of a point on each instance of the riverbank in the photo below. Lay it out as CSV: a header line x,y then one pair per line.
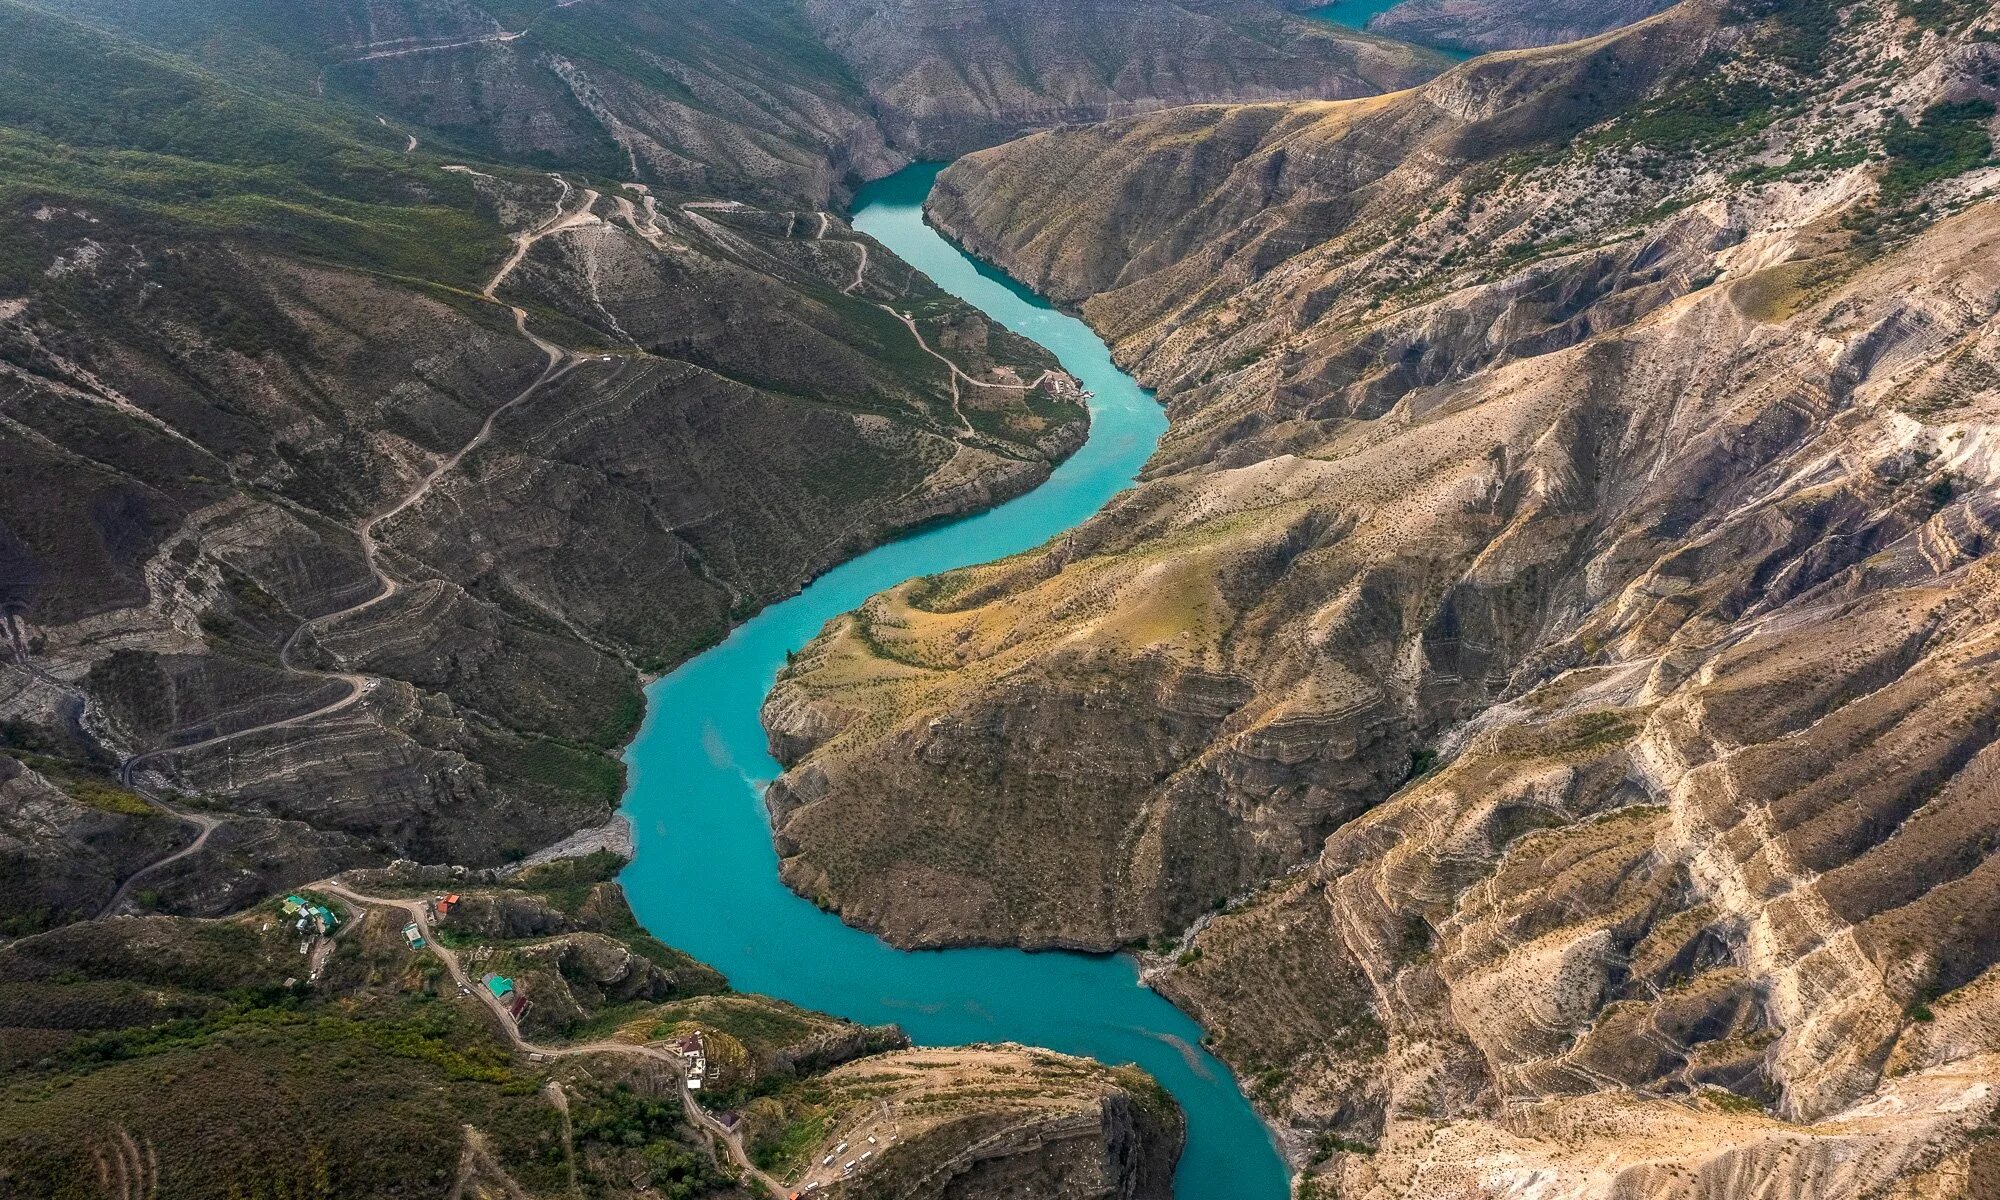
x,y
705,877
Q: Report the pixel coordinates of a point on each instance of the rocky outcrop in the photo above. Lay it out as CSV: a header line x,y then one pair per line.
x,y
933,1123
1650,542
570,978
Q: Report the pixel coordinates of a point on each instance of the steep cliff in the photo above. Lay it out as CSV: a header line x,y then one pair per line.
x,y
971,1123
1554,636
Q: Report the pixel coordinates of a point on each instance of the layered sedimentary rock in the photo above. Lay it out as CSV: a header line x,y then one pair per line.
x,y
948,78
948,1123
1555,639
312,529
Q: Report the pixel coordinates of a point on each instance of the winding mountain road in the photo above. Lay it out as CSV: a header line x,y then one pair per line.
x,y
359,686
419,916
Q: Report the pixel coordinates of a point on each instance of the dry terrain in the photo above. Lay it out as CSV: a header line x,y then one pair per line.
x,y
1542,699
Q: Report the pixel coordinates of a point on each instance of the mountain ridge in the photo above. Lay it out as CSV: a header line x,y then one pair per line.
x,y
1504,706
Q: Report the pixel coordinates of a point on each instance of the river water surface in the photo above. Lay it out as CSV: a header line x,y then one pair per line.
x,y
705,878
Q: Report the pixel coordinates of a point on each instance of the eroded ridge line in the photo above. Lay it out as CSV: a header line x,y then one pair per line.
x,y
558,364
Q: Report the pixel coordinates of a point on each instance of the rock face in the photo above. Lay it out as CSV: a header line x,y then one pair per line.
x,y
1599,598
953,77
1055,1126
1481,25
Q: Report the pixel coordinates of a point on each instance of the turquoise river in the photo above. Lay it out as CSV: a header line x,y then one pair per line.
x,y
705,878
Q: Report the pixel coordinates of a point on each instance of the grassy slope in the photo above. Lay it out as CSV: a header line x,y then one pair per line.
x,y
359,1086
176,150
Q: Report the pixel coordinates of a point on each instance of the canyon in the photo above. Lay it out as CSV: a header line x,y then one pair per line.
x,y
391,390
1535,709
1536,704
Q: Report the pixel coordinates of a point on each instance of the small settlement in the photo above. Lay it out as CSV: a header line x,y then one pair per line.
x,y
312,917
692,1050
503,990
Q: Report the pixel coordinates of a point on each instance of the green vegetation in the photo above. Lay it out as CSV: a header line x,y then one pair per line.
x,y
1796,33
567,882
618,727
754,1021
1423,760
171,151
1146,1092
1327,1143
1730,1101
365,1080
574,771
1939,15
367,1090
1947,140
617,1117
1829,157
86,776
1712,110
788,1147
1415,940
97,791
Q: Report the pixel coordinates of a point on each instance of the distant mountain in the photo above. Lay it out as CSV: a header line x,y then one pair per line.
x,y
950,78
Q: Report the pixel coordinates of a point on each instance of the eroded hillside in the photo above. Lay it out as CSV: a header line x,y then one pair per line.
x,y
1478,26
1547,671
262,473
955,77
393,386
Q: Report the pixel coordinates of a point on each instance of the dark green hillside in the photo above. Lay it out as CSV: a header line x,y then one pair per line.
x,y
174,150
685,75
190,1057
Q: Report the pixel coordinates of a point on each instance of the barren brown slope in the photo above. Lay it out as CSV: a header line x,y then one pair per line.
x,y
1147,683
948,78
310,526
1665,522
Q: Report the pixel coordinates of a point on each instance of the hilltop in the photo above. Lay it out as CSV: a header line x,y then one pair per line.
x,y
520,1036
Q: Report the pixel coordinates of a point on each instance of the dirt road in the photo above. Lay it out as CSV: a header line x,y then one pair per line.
x,y
359,686
730,1141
